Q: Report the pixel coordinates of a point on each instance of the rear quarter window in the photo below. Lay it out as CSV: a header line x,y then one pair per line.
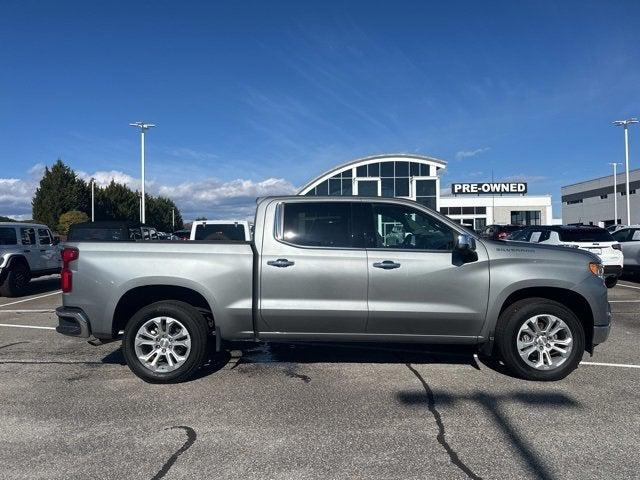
x,y
8,236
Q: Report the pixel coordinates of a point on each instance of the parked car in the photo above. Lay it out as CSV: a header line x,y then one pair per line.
x,y
629,238
593,239
111,230
227,230
319,269
181,234
27,250
499,232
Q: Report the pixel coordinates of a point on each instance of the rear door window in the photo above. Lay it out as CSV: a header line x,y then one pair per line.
x,y
222,231
623,235
28,236
318,224
8,236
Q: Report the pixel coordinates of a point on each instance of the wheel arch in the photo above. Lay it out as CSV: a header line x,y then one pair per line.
x,y
141,296
14,259
569,298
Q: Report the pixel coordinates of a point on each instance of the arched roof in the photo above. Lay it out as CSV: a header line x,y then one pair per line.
x,y
372,159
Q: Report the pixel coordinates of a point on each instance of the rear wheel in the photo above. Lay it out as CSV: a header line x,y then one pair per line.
x,y
166,342
540,339
16,281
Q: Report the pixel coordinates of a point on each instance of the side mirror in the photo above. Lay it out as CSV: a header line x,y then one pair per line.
x,y
465,243
56,240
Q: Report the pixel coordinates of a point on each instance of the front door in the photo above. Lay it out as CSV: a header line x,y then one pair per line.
x,y
313,277
417,285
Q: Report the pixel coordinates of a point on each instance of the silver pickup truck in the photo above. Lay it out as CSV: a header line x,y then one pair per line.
x,y
336,269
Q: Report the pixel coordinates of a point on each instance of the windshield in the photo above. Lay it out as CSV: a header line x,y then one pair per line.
x,y
232,232
586,235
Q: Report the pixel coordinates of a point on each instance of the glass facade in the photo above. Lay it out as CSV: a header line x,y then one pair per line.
x,y
528,217
393,177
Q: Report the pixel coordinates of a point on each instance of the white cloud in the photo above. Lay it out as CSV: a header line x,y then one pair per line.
x,y
104,178
462,154
208,197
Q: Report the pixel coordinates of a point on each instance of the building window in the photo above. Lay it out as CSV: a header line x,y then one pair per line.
x,y
573,202
468,210
480,223
481,210
603,197
444,210
525,217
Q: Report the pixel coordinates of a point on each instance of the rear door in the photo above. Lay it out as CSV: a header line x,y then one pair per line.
x,y
313,274
31,249
629,239
49,254
417,285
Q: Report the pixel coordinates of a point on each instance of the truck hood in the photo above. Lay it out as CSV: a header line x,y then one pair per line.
x,y
526,250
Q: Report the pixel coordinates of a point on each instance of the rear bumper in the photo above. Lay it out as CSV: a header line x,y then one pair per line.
x,y
73,322
615,270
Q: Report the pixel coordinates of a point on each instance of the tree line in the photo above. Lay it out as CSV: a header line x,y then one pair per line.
x,y
62,191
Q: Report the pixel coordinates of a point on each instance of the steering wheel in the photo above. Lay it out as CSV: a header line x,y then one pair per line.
x,y
407,240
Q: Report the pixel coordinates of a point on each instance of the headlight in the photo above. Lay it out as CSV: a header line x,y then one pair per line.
x,y
596,268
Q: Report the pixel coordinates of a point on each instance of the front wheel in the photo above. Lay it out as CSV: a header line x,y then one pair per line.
x,y
540,339
166,342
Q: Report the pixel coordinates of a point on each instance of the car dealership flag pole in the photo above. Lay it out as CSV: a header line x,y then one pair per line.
x,y
143,127
93,200
625,124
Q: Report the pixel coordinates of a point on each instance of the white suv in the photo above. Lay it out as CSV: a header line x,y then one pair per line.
x,y
27,250
593,239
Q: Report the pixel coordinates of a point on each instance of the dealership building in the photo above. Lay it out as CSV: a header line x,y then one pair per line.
x,y
418,177
592,202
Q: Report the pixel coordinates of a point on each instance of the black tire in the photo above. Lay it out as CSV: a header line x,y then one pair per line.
x,y
611,281
16,281
509,325
195,324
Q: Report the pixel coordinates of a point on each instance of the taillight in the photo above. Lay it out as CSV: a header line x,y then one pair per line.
x,y
69,254
503,235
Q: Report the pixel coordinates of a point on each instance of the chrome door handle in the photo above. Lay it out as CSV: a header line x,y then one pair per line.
x,y
281,262
387,265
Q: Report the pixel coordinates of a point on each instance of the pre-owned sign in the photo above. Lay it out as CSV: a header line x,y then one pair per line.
x,y
476,188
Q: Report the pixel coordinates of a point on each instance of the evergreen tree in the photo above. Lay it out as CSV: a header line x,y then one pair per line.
x,y
159,213
117,202
60,191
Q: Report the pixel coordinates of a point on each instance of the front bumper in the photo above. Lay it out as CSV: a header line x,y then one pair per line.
x,y
73,322
601,331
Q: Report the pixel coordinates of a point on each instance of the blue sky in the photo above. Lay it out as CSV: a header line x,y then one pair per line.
x,y
259,97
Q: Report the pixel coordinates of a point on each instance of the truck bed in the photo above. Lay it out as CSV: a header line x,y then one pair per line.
x,y
108,273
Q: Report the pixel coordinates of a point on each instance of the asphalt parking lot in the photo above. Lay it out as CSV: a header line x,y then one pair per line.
x,y
72,410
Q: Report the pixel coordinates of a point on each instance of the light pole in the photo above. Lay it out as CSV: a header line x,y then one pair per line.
x,y
173,220
615,192
143,127
625,124
93,200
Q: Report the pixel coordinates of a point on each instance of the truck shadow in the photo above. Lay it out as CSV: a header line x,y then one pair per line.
x,y
41,285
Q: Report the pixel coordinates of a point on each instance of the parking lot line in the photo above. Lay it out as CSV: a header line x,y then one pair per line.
x,y
26,326
32,298
610,301
37,310
628,286
603,364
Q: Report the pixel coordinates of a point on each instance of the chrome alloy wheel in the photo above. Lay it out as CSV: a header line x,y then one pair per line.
x,y
162,344
544,342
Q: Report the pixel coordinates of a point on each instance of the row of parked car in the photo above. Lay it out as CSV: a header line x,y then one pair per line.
x,y
618,247
31,250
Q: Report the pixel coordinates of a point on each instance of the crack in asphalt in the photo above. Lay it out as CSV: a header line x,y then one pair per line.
x,y
291,373
11,344
191,438
431,404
